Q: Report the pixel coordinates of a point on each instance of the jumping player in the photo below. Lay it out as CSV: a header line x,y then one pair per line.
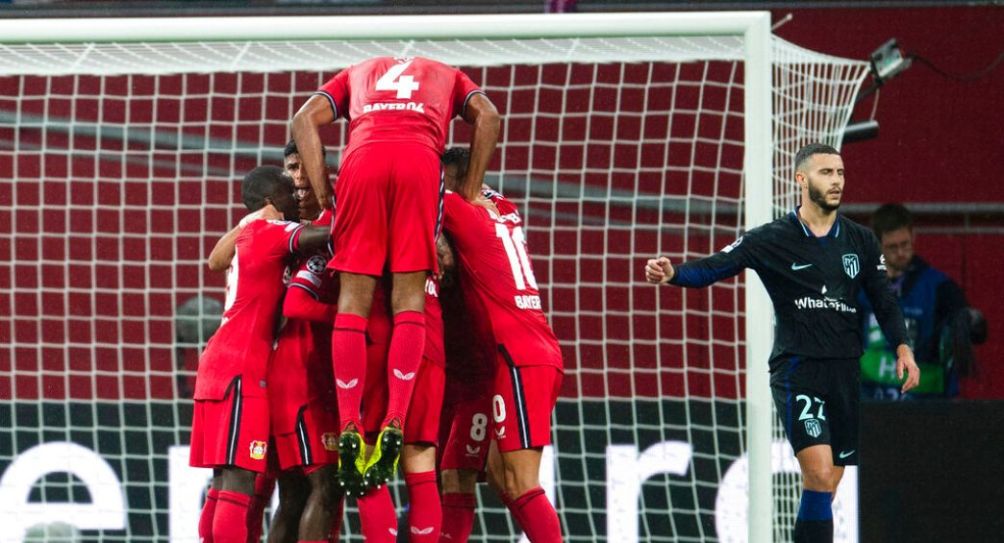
x,y
389,203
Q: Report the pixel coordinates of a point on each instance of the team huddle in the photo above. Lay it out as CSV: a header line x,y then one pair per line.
x,y
396,321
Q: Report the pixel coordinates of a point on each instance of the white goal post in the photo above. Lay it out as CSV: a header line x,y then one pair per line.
x,y
789,97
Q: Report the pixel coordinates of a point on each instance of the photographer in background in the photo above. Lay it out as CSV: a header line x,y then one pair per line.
x,y
939,322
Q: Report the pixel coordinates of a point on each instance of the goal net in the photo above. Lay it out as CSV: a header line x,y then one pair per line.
x,y
623,137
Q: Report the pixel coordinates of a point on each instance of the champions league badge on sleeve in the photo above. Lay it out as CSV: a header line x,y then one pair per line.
x,y
851,265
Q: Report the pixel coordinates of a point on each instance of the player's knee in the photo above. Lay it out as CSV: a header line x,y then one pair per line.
x,y
408,293
519,480
820,478
418,458
325,492
238,480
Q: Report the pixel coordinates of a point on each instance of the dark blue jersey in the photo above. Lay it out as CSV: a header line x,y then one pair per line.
x,y
813,283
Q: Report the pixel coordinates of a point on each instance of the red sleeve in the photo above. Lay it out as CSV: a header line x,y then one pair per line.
x,y
336,90
278,238
302,304
463,89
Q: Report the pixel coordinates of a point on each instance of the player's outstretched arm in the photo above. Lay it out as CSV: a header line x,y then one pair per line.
x,y
480,113
314,113
906,364
223,253
659,270
698,273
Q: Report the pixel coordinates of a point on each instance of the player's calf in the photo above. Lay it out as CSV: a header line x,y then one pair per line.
x,y
458,502
316,523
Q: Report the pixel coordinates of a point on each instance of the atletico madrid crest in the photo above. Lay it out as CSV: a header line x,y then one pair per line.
x,y
258,450
851,265
813,428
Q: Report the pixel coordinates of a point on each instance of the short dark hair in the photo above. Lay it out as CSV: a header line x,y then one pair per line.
x,y
459,157
806,152
291,149
260,183
891,217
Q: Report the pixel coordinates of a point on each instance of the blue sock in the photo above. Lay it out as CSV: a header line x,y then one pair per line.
x,y
815,505
815,518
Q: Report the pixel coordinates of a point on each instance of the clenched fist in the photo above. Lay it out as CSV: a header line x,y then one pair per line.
x,y
659,270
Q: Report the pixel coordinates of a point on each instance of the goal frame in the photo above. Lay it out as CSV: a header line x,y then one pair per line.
x,y
752,27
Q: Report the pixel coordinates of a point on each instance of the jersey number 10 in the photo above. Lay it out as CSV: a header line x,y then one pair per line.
x,y
515,248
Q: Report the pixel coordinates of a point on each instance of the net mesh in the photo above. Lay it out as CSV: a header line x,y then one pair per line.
x,y
118,171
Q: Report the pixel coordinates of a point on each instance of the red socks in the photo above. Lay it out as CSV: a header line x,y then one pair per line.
x,y
206,518
537,517
348,357
425,515
377,516
230,521
405,356
458,517
264,485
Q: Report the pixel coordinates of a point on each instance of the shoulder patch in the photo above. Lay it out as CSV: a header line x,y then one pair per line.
x,y
728,248
316,264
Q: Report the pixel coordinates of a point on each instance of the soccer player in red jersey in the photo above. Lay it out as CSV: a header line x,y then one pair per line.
x,y
465,432
389,203
230,420
294,488
494,265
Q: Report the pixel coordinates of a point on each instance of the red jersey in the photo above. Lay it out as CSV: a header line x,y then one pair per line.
x,y
433,324
300,371
242,345
390,99
495,267
470,347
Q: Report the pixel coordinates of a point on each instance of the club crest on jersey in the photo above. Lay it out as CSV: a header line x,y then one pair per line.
x,y
258,450
330,441
813,428
851,265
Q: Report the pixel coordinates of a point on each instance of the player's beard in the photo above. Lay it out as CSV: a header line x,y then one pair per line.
x,y
818,197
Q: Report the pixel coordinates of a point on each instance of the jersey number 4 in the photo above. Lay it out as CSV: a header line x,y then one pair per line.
x,y
515,248
394,81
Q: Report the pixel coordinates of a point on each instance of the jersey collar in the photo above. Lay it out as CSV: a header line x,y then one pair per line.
x,y
834,230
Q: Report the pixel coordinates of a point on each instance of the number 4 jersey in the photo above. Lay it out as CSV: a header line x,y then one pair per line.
x,y
495,269
390,99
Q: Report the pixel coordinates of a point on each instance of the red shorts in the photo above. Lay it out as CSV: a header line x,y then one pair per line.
x,y
388,206
313,441
422,423
466,446
523,400
230,432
